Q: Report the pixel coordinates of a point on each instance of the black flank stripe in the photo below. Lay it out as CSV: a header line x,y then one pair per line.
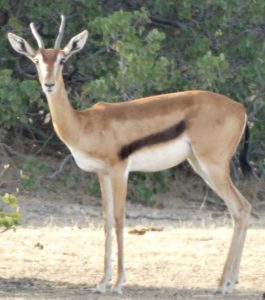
x,y
156,138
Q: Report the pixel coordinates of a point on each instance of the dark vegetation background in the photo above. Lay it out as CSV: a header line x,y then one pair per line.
x,y
136,48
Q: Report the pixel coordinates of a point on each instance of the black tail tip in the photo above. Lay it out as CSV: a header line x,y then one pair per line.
x,y
247,170
245,166
243,157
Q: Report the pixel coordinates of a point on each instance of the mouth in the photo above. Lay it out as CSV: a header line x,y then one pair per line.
x,y
48,90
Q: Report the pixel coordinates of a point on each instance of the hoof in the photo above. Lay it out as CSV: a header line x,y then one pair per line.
x,y
226,288
117,290
99,289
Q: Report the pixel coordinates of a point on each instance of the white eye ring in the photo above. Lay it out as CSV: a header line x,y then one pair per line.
x,y
36,60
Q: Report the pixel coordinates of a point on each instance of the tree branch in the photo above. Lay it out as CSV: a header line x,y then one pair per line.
x,y
164,22
11,151
61,167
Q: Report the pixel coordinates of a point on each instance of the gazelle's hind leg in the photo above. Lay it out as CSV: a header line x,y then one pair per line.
x,y
217,176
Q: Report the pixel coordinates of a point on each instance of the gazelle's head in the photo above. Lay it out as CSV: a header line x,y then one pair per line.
x,y
49,62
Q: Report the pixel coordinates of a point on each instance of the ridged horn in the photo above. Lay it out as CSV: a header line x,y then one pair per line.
x,y
36,35
60,34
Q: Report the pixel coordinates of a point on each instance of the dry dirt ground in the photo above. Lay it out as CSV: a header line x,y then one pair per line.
x,y
174,252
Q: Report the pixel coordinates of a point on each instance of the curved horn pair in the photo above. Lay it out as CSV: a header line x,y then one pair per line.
x,y
58,39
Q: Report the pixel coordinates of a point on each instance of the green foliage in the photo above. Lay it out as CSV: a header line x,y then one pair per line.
x,y
137,67
31,171
9,219
14,102
94,188
213,69
145,185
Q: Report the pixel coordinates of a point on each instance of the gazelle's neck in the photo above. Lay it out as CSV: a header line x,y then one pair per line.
x,y
64,117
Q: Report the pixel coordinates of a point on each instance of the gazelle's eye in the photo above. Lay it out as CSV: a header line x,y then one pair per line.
x,y
36,61
62,61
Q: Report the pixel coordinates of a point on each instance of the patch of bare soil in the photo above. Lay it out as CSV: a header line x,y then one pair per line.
x,y
175,250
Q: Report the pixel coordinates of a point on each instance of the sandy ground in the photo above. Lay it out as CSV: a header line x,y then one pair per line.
x,y
58,251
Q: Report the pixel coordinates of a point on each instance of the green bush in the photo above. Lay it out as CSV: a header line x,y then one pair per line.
x,y
9,219
15,102
32,169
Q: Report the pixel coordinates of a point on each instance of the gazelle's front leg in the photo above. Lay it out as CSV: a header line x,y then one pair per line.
x,y
107,206
119,178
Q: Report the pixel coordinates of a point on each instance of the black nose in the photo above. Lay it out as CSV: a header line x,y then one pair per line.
x,y
49,85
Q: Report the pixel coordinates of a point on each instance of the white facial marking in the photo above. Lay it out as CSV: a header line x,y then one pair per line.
x,y
47,74
44,70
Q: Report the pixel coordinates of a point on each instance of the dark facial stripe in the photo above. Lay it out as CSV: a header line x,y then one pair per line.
x,y
156,138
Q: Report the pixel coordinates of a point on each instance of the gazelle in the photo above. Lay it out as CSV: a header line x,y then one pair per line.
x,y
147,134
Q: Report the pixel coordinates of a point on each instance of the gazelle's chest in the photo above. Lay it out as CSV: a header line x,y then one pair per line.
x,y
87,162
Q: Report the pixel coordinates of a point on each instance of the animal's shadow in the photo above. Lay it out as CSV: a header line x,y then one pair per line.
x,y
35,288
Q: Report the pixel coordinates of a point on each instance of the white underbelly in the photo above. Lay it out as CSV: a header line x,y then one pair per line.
x,y
160,157
86,162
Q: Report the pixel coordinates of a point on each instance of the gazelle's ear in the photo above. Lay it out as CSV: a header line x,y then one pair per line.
x,y
20,45
76,44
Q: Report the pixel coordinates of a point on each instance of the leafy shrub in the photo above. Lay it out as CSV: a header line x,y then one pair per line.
x,y
133,54
15,98
31,170
9,219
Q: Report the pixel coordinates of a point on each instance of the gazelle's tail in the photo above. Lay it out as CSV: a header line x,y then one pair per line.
x,y
243,157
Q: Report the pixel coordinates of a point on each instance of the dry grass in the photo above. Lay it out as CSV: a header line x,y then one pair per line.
x,y
176,263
